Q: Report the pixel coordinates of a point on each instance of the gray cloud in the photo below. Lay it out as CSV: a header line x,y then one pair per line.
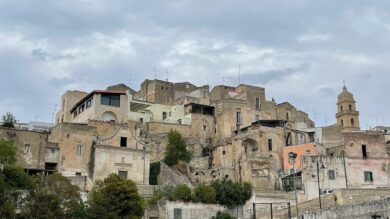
x,y
300,51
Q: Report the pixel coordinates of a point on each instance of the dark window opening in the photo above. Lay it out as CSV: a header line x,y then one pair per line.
x,y
78,174
141,120
257,105
123,142
110,100
331,175
223,152
364,151
368,177
88,103
164,115
238,117
204,128
342,122
122,174
270,144
287,116
350,107
352,122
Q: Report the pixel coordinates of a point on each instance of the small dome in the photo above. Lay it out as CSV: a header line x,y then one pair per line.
x,y
345,95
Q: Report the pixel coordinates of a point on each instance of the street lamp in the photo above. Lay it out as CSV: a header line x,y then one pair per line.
x,y
318,179
291,159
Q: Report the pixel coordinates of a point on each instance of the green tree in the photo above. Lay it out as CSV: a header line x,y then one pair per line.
x,y
176,149
222,215
13,180
42,204
182,192
7,152
9,120
231,194
115,197
55,195
204,194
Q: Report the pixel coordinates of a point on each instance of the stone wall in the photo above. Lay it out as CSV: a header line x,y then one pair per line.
x,y
374,209
192,210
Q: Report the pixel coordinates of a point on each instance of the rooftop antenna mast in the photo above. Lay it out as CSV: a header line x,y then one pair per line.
x,y
223,81
155,73
166,75
239,74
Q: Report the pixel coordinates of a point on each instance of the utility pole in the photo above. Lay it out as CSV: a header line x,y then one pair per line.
x,y
318,181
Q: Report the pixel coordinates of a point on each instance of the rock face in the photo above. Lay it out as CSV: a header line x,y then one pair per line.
x,y
171,177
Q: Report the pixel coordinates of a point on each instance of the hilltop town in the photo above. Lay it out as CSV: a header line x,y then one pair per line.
x,y
233,133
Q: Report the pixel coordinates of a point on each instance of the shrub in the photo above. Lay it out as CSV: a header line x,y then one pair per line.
x,y
231,194
204,194
182,192
222,215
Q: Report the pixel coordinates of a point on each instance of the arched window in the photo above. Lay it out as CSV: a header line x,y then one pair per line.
x,y
286,115
352,122
350,107
341,108
342,122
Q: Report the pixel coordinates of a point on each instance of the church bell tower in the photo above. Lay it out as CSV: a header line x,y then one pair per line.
x,y
347,115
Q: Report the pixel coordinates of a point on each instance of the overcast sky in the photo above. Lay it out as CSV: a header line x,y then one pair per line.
x,y
298,50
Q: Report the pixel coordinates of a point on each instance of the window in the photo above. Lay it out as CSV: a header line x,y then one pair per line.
x,y
270,144
52,151
257,118
204,128
78,174
223,152
238,117
110,100
257,104
122,174
177,213
162,88
331,175
123,142
81,108
26,148
88,103
342,122
170,113
308,152
75,114
287,116
352,122
179,121
350,107
341,108
164,115
123,160
368,177
79,150
204,94
141,120
364,151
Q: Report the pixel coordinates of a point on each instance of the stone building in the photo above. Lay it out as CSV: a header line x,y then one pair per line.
x,y
92,151
232,132
35,153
